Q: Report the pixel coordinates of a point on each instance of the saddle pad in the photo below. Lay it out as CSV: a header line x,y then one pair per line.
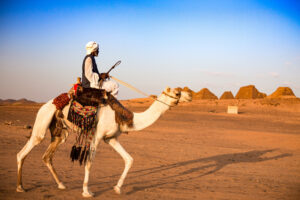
x,y
84,110
61,101
83,116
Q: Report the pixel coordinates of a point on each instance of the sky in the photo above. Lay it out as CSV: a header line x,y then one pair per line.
x,y
217,44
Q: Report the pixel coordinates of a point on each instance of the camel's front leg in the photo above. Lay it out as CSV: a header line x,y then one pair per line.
x,y
128,162
86,192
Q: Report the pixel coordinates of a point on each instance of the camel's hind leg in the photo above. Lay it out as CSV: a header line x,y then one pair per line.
x,y
58,136
32,142
47,158
40,127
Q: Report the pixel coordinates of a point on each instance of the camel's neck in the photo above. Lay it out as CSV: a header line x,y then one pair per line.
x,y
148,117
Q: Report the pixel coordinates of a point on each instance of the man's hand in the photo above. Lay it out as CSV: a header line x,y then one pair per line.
x,y
104,76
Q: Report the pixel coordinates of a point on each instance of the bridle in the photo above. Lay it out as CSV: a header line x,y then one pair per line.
x,y
177,98
170,96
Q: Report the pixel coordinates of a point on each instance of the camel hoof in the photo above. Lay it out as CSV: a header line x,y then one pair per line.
x,y
61,186
117,189
20,189
87,194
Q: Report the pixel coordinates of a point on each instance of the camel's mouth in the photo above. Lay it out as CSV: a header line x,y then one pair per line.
x,y
190,97
186,96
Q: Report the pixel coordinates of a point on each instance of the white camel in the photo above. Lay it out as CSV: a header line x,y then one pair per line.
x,y
106,128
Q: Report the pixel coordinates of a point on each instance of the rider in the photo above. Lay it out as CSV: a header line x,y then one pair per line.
x,y
90,73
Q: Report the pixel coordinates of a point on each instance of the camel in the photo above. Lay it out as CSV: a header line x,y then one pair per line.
x,y
106,129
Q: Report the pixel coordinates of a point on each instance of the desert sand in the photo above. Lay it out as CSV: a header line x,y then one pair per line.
x,y
195,151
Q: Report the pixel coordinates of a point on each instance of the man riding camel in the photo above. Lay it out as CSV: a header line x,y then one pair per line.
x,y
90,74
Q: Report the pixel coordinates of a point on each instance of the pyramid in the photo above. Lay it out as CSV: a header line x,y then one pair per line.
x,y
187,89
261,95
204,94
282,92
249,92
227,95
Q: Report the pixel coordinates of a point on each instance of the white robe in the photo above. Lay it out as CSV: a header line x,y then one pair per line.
x,y
108,85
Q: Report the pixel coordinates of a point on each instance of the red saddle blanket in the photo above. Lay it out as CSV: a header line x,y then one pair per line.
x,y
61,101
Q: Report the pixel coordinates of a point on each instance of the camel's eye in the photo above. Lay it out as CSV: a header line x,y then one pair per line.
x,y
177,94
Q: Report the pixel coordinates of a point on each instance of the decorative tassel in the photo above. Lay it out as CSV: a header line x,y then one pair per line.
x,y
85,120
82,155
78,149
73,151
87,153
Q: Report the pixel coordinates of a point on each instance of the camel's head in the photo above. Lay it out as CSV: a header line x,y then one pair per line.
x,y
171,96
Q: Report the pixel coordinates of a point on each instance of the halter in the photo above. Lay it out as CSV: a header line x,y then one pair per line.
x,y
170,97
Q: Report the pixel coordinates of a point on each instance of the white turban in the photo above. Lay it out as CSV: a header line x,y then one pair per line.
x,y
91,47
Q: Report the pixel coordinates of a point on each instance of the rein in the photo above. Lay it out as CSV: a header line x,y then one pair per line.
x,y
143,93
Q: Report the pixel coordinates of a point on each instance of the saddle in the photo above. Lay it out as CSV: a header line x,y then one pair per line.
x,y
97,97
84,104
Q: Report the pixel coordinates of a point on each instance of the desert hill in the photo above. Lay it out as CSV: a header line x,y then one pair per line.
x,y
22,101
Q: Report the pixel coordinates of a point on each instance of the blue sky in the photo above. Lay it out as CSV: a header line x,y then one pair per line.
x,y
221,45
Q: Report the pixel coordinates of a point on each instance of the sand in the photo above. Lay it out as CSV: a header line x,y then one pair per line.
x,y
194,151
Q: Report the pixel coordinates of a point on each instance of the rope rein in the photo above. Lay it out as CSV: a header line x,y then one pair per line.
x,y
143,93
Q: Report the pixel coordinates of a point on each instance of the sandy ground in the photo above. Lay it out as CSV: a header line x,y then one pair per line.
x,y
194,151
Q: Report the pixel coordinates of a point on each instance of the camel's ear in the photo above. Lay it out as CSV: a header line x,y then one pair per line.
x,y
168,89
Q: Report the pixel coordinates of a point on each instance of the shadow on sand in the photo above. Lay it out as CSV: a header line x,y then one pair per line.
x,y
193,167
